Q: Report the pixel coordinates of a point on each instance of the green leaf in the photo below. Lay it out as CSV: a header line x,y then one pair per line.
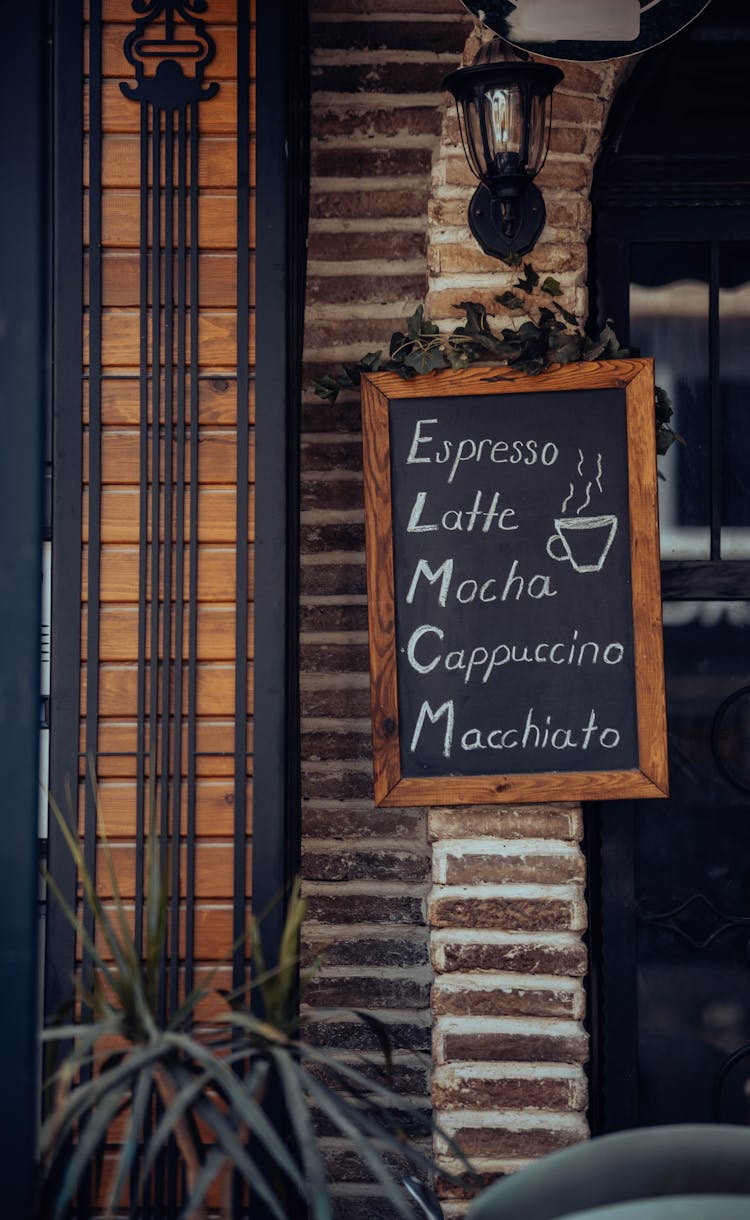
x,y
530,279
569,317
457,359
141,1098
426,360
299,1115
663,405
327,388
414,323
90,1137
211,1168
341,1115
382,1033
510,302
240,1158
551,286
371,362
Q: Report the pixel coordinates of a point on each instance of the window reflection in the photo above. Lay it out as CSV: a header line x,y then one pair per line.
x,y
669,306
734,313
693,878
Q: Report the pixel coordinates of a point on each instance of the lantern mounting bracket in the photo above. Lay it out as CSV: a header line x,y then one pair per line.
x,y
507,226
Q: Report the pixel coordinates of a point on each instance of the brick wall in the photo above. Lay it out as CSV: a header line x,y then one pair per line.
x,y
480,909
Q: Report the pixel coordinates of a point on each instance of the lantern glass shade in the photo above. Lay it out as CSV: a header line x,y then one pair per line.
x,y
505,129
504,104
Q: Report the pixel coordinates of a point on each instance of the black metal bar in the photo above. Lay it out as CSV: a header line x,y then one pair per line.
x,y
243,491
67,345
280,264
95,438
179,606
153,748
192,557
166,786
22,339
143,391
714,401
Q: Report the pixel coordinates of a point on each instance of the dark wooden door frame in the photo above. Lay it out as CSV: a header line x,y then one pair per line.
x,y
22,350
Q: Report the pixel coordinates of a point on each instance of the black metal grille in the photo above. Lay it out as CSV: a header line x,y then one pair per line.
x,y
165,754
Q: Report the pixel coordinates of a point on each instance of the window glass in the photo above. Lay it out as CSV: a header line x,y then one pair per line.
x,y
669,300
734,357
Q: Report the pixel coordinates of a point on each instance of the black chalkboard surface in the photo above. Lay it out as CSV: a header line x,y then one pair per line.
x,y
513,585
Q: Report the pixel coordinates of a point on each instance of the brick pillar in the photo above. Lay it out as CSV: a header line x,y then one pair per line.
x,y
507,909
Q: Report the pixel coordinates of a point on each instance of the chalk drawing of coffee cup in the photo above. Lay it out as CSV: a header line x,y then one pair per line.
x,y
585,541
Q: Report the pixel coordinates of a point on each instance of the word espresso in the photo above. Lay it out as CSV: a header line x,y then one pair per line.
x,y
507,645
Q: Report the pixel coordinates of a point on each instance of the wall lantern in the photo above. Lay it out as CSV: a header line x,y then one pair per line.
x,y
504,104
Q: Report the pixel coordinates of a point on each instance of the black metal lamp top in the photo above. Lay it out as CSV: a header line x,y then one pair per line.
x,y
504,104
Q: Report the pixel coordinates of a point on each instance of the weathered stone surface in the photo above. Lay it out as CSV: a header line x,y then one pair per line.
x,y
326,617
363,950
338,787
476,868
435,36
501,1000
509,1093
342,822
353,162
379,865
332,494
334,658
348,703
521,822
345,908
347,991
321,745
372,289
500,1047
373,205
569,959
377,78
511,914
356,1036
498,1142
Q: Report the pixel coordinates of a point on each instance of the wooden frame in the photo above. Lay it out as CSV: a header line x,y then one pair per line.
x,y
649,778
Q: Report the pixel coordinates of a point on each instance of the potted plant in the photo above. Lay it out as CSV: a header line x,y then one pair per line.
x,y
196,1085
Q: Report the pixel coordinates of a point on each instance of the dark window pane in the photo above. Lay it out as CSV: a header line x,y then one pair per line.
x,y
693,879
734,312
669,299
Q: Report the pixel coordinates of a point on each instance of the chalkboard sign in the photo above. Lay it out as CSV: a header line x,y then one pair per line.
x,y
513,585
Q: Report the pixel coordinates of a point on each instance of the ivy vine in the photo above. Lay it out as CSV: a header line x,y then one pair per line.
x,y
542,334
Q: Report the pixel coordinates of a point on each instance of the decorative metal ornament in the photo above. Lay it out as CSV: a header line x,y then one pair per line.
x,y
170,57
504,104
586,29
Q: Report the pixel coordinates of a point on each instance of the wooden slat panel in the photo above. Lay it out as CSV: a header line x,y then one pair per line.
x,y
216,516
214,807
218,115
214,865
118,626
223,66
120,456
217,221
116,12
217,278
217,400
217,345
214,741
119,574
121,167
118,689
